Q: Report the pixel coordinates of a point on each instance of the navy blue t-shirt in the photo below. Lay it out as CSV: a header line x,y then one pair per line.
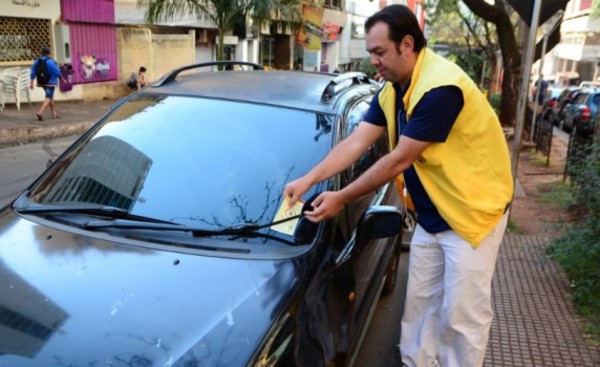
x,y
431,121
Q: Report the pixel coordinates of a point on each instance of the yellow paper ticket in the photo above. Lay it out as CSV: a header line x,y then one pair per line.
x,y
283,213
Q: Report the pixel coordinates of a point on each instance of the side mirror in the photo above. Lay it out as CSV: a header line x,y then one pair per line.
x,y
379,222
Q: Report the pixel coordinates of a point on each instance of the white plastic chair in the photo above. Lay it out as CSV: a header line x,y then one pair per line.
x,y
10,80
22,87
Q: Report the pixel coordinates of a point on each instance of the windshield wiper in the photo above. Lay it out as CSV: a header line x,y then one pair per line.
x,y
104,211
244,231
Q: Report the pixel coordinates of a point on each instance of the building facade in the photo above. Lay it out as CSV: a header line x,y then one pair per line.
x,y
577,57
99,43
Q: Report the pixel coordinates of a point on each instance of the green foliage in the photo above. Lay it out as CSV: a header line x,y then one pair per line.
x,y
469,61
225,14
496,100
513,227
557,195
578,250
366,67
595,9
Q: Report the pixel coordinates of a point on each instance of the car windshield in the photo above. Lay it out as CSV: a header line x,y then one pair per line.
x,y
198,162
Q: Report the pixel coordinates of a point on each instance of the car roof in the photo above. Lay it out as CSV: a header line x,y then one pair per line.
x,y
294,89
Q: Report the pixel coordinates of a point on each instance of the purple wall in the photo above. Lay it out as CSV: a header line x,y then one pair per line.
x,y
88,11
93,40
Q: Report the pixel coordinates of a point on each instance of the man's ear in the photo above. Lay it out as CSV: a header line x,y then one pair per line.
x,y
407,43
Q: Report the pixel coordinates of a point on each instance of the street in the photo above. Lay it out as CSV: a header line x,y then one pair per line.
x,y
20,165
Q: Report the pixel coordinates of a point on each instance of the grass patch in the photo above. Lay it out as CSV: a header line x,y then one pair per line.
x,y
591,331
556,195
537,158
514,227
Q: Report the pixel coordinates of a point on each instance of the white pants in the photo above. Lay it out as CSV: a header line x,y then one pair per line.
x,y
448,312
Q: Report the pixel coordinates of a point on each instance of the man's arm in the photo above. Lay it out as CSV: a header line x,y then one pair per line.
x,y
329,203
341,157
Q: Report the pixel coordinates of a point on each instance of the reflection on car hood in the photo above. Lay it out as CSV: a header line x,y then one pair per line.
x,y
67,299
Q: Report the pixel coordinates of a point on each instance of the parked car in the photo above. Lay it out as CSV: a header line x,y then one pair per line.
x,y
581,113
564,100
161,236
589,84
551,102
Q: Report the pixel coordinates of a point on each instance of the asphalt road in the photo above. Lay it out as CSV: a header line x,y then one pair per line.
x,y
20,165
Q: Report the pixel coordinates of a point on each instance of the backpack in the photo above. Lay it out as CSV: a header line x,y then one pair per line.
x,y
42,75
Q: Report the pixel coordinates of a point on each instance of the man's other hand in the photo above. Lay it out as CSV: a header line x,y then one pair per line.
x,y
325,206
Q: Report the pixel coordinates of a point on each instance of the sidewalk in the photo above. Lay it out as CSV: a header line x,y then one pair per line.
x,y
534,324
17,127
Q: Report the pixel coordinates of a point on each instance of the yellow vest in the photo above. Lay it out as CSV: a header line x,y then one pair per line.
x,y
468,177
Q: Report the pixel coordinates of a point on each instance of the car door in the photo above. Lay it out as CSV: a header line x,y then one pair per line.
x,y
368,260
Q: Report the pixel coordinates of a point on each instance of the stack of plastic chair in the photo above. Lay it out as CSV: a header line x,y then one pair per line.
x,y
22,87
10,81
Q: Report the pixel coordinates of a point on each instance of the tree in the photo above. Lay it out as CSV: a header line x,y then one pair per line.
x,y
470,40
498,14
225,14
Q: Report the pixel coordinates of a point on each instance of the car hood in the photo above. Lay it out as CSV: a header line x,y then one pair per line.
x,y
73,300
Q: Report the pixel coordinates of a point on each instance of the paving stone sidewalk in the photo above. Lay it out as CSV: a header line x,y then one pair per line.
x,y
21,126
534,322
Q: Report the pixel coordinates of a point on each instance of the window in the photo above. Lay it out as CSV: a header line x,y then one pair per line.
x,y
22,38
353,117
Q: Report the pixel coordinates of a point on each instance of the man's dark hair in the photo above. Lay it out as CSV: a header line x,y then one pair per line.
x,y
401,21
142,69
46,51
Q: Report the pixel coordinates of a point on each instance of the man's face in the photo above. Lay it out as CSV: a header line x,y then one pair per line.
x,y
387,56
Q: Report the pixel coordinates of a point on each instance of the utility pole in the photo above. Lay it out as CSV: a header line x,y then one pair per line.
x,y
540,74
525,73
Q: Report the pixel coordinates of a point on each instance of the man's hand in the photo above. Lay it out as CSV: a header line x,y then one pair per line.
x,y
325,206
295,189
31,85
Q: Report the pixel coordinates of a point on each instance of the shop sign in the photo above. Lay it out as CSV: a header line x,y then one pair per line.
x,y
330,32
310,33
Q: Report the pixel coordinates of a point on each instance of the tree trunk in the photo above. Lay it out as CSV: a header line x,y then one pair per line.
x,y
511,54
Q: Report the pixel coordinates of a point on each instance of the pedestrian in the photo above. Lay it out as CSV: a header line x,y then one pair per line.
x,y
46,72
539,91
449,154
137,80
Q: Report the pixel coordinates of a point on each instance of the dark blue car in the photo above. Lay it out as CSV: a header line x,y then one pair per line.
x,y
161,237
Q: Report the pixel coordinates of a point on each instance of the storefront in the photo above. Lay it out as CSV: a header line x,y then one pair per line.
x,y
89,40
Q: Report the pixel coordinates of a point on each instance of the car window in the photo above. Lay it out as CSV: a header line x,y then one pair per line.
x,y
353,117
581,98
193,161
596,100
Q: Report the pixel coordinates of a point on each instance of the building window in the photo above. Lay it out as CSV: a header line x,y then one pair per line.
x,y
334,4
22,38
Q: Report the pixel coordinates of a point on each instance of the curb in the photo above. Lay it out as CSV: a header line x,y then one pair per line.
x,y
32,133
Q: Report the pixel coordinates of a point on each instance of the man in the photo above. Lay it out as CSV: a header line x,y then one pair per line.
x,y
49,85
451,156
539,91
137,80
